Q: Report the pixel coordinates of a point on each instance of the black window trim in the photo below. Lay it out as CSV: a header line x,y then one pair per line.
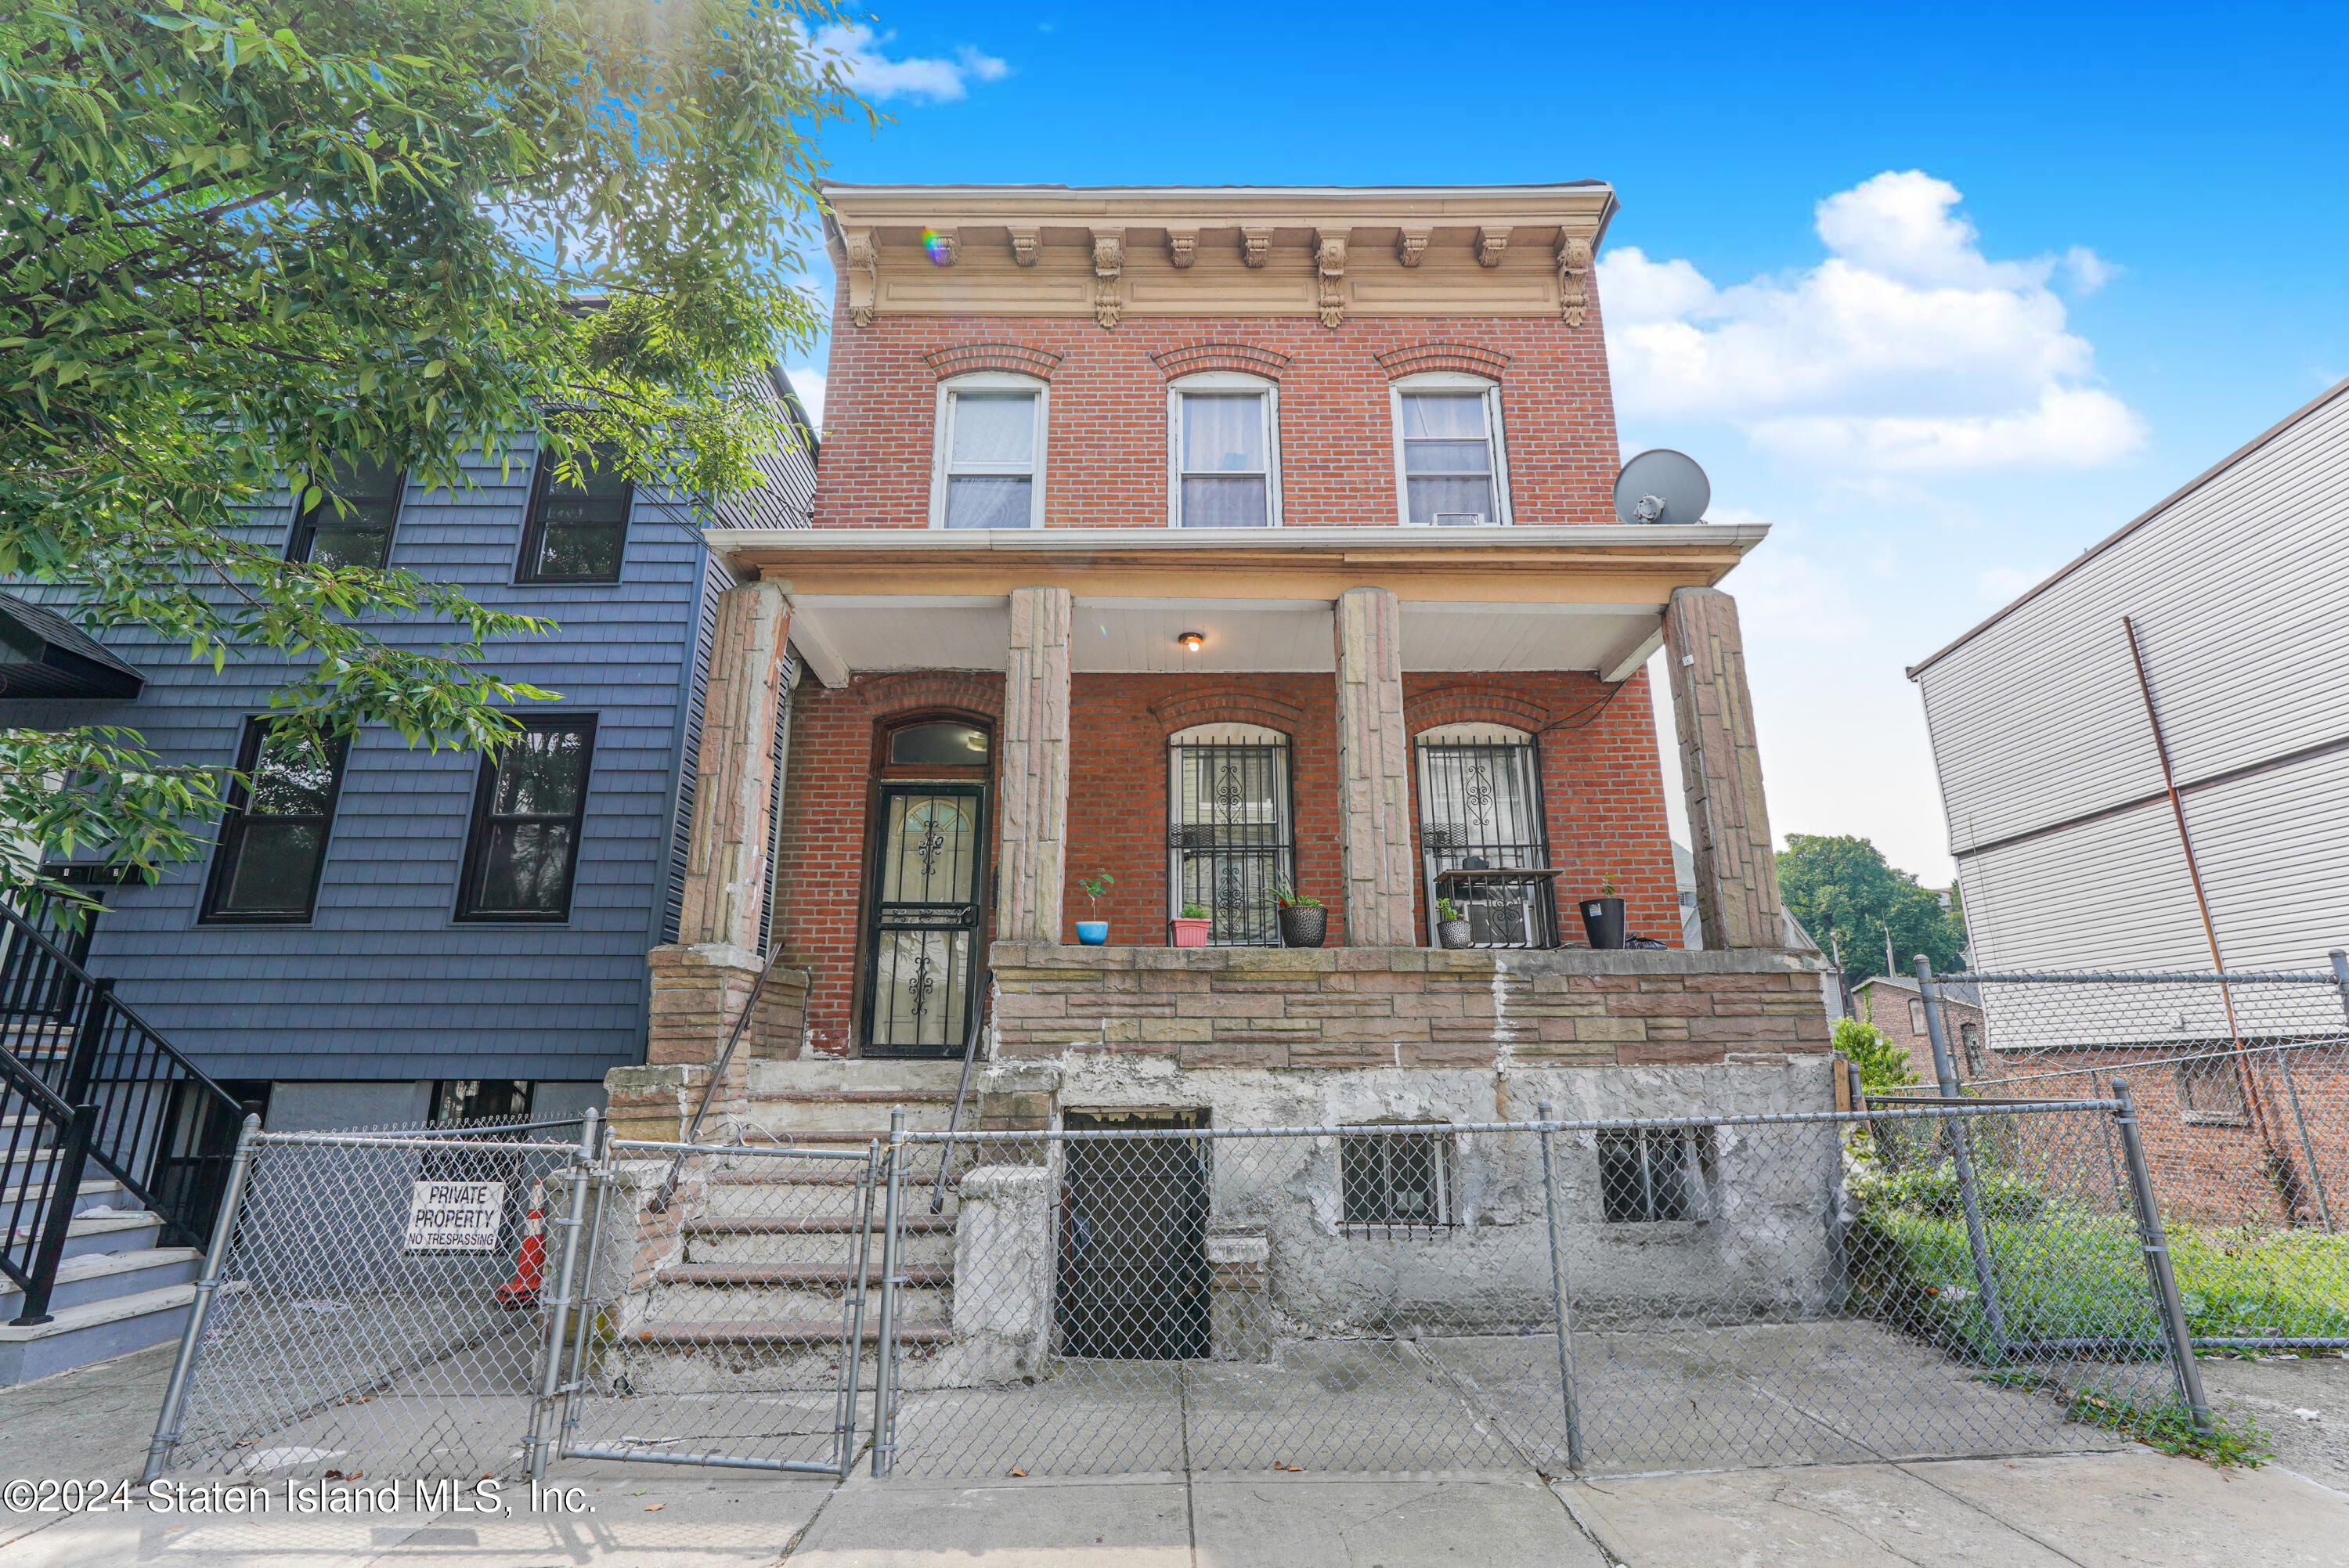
x,y
533,531
303,542
477,840
232,824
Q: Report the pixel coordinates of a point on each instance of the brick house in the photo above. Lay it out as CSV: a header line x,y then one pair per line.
x,y
1894,1004
1216,540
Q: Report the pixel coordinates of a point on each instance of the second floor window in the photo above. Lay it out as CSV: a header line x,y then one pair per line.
x,y
272,840
575,533
1448,451
990,444
528,807
1224,434
352,524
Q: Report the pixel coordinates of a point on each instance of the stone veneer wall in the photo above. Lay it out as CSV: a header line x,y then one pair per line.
x,y
1408,1006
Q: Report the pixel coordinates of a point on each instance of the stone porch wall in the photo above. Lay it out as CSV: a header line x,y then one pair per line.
x,y
1408,1006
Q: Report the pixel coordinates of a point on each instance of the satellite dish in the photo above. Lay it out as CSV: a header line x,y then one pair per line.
x,y
1663,486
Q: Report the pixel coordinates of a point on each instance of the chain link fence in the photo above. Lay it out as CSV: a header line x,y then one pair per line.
x,y
1595,1296
2242,1087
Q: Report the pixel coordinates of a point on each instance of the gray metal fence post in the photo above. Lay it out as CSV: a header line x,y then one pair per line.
x,y
540,1442
2156,1243
582,1320
191,1337
885,1359
1560,1297
852,1341
1954,1130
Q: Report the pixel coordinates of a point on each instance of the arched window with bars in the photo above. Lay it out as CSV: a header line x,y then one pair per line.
x,y
1483,837
1228,840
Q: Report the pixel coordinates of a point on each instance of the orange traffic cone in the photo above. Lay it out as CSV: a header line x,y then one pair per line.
x,y
530,1268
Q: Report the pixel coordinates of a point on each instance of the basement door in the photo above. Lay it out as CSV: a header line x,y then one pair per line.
x,y
1133,1240
921,952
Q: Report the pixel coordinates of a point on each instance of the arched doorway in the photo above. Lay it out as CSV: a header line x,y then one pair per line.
x,y
925,875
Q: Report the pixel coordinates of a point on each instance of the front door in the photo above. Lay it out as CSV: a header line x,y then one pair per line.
x,y
921,947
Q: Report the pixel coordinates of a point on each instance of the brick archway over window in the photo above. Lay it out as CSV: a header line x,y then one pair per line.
x,y
1463,357
1470,705
1227,707
1244,358
1017,359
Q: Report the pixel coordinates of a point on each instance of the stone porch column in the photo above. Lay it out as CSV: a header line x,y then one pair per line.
x,y
701,981
1373,771
1033,768
1721,772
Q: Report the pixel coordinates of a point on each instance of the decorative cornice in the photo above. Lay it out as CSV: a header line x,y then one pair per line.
x,y
864,274
1108,267
1329,268
1573,275
1027,240
1256,245
1246,357
1182,246
1410,242
1492,244
1425,357
966,357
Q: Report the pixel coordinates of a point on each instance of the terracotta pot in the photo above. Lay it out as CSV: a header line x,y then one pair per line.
x,y
1304,926
1189,932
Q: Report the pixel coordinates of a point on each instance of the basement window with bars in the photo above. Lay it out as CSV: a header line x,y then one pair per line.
x,y
1228,840
1655,1173
2211,1092
1395,1181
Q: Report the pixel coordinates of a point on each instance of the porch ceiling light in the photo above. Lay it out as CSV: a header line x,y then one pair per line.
x,y
1193,640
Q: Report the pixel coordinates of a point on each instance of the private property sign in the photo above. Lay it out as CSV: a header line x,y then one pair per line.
x,y
455,1216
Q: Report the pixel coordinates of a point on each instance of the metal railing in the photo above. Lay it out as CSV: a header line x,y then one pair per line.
x,y
156,1122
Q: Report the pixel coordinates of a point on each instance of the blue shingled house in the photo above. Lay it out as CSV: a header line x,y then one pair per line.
x,y
388,934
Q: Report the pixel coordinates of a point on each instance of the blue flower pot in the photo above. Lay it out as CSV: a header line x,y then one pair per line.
x,y
1093,932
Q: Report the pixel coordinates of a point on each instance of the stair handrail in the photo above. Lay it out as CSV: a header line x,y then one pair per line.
x,y
92,1006
954,1118
49,1111
660,1200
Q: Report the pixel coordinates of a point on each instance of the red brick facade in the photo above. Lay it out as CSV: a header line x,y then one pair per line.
x,y
1105,460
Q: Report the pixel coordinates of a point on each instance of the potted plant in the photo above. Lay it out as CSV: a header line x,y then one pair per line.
x,y
1191,926
1450,926
1303,922
1094,933
1602,917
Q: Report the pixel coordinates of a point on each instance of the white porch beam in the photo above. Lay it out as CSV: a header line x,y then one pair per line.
x,y
817,651
1619,666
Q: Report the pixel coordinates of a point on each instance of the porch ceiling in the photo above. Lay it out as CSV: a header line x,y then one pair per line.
x,y
839,634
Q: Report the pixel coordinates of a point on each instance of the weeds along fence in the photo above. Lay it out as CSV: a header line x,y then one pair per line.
x,y
2242,1087
1598,1297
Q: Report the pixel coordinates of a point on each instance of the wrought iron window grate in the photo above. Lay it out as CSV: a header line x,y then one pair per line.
x,y
1481,809
1228,843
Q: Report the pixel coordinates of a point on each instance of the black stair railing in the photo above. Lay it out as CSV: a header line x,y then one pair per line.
x,y
144,1113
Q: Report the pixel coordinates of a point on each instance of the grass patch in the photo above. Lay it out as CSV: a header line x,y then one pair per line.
x,y
2250,1284
2228,1442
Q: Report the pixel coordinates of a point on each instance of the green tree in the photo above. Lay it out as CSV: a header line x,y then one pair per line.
x,y
1841,886
1882,1065
247,244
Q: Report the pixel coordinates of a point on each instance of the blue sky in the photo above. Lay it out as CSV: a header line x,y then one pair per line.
x,y
1944,294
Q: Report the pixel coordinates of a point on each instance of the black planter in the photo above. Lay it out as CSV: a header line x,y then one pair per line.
x,y
1602,922
1303,927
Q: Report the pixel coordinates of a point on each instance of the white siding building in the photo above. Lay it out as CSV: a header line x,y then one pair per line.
x,y
2067,847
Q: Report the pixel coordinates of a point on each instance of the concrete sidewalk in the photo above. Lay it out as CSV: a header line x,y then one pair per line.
x,y
2135,1508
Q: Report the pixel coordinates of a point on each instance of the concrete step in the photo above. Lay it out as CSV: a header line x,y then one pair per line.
x,y
782,1331
687,1301
797,1117
797,1274
96,1191
930,1249
111,1233
102,1276
97,1332
857,1075
816,1225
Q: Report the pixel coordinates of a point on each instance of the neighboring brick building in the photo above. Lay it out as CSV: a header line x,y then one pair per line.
x,y
1214,539
1895,1004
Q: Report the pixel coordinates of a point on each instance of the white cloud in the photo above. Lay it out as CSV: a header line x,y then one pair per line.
x,y
863,56
1785,593
1905,351
808,382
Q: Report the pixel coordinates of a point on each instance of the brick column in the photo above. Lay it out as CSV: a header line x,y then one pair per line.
x,y
1033,768
1373,771
700,983
1721,770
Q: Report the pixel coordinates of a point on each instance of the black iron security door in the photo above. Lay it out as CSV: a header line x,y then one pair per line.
x,y
921,970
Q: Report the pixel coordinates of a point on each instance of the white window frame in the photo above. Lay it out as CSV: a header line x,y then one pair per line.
x,y
1496,436
942,426
1223,381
